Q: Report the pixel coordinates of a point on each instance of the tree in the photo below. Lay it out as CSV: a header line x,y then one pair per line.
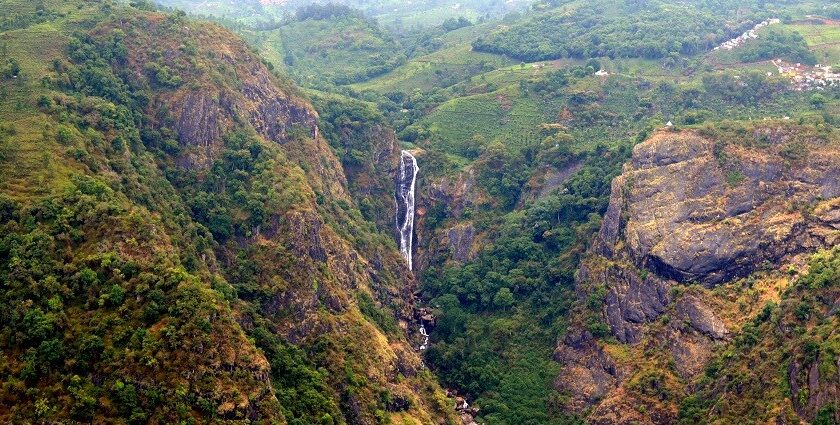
x,y
289,59
143,5
452,24
503,298
818,101
11,69
502,173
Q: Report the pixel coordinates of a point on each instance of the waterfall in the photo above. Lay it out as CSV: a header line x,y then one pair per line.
x,y
425,337
404,198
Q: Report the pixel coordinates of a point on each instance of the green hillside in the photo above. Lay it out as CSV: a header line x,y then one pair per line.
x,y
391,13
341,50
615,222
173,252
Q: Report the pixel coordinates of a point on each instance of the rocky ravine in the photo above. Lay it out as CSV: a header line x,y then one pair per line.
x,y
689,210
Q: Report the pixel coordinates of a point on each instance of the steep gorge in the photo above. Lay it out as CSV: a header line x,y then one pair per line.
x,y
184,238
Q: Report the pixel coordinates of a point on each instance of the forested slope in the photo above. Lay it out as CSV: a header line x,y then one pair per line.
x,y
178,240
186,239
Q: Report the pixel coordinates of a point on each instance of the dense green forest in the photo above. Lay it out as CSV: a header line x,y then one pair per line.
x,y
625,30
790,47
198,222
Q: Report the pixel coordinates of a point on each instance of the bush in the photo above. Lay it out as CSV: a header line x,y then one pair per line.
x,y
162,75
64,135
734,178
11,69
382,317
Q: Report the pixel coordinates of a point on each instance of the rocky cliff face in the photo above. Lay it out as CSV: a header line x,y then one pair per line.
x,y
691,210
224,88
690,216
451,196
456,196
372,182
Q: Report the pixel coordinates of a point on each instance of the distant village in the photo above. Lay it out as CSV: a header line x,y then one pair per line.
x,y
804,77
748,35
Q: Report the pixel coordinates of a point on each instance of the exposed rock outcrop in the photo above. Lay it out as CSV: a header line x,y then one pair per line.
x,y
207,109
696,313
692,210
631,300
680,213
460,239
688,209
455,196
548,179
199,120
371,182
588,373
623,407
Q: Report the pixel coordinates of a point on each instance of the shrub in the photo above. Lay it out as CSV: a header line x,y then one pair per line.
x,y
162,75
11,69
734,178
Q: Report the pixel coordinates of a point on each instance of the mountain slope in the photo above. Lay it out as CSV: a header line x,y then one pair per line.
x,y
784,365
179,241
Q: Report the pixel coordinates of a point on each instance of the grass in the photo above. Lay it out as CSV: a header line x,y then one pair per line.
x,y
817,34
439,69
30,165
504,115
271,47
823,40
467,34
335,49
514,73
453,62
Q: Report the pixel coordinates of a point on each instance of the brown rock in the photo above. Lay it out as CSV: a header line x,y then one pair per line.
x,y
588,372
680,217
692,310
687,210
460,241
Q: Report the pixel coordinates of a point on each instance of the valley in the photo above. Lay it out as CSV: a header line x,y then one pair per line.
x,y
482,212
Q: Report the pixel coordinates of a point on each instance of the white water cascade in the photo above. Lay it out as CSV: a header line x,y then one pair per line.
x,y
404,198
425,337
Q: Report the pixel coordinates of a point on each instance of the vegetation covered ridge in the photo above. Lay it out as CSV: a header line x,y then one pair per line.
x,y
179,244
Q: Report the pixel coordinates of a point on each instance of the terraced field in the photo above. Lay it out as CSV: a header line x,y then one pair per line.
x,y
504,115
439,69
455,61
